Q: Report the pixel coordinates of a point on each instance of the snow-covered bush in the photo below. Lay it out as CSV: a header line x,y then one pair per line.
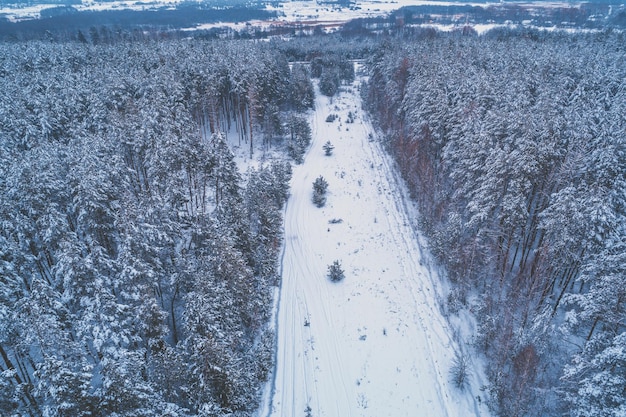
x,y
456,300
319,191
328,148
460,372
319,199
335,273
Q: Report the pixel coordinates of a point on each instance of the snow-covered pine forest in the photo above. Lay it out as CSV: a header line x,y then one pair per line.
x,y
138,264
514,146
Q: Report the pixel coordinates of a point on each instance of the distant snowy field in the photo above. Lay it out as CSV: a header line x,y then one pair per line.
x,y
302,11
292,11
289,11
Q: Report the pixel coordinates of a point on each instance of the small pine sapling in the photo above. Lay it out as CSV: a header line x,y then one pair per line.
x,y
328,148
335,273
320,185
319,191
460,372
319,199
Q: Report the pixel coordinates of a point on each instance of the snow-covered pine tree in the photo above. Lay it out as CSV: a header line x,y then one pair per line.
x,y
335,273
330,81
320,186
519,187
112,205
299,137
302,94
328,148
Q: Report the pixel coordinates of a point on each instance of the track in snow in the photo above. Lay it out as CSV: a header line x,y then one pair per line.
x,y
376,343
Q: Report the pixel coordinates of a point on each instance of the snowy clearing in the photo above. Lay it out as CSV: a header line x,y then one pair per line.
x,y
375,343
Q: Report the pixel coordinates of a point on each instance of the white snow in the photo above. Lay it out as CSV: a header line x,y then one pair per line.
x,y
375,344
298,11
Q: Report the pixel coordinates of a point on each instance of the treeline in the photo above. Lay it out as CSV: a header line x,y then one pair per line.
x,y
64,22
515,149
340,46
137,265
587,15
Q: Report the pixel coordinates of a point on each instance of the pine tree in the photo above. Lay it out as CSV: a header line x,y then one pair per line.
x,y
335,273
597,378
302,95
299,137
328,148
320,187
330,81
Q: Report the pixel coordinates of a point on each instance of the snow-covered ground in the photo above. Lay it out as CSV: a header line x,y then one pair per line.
x,y
376,343
289,11
297,11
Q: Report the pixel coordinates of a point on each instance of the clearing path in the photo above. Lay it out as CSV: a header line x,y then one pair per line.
x,y
374,344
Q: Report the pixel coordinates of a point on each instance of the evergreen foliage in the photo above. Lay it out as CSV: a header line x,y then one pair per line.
x,y
332,69
329,82
320,186
299,137
460,372
328,148
335,273
302,94
514,147
333,60
136,264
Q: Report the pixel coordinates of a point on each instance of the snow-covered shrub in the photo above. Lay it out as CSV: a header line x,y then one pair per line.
x,y
319,191
331,118
335,273
320,185
319,199
328,148
460,372
456,300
